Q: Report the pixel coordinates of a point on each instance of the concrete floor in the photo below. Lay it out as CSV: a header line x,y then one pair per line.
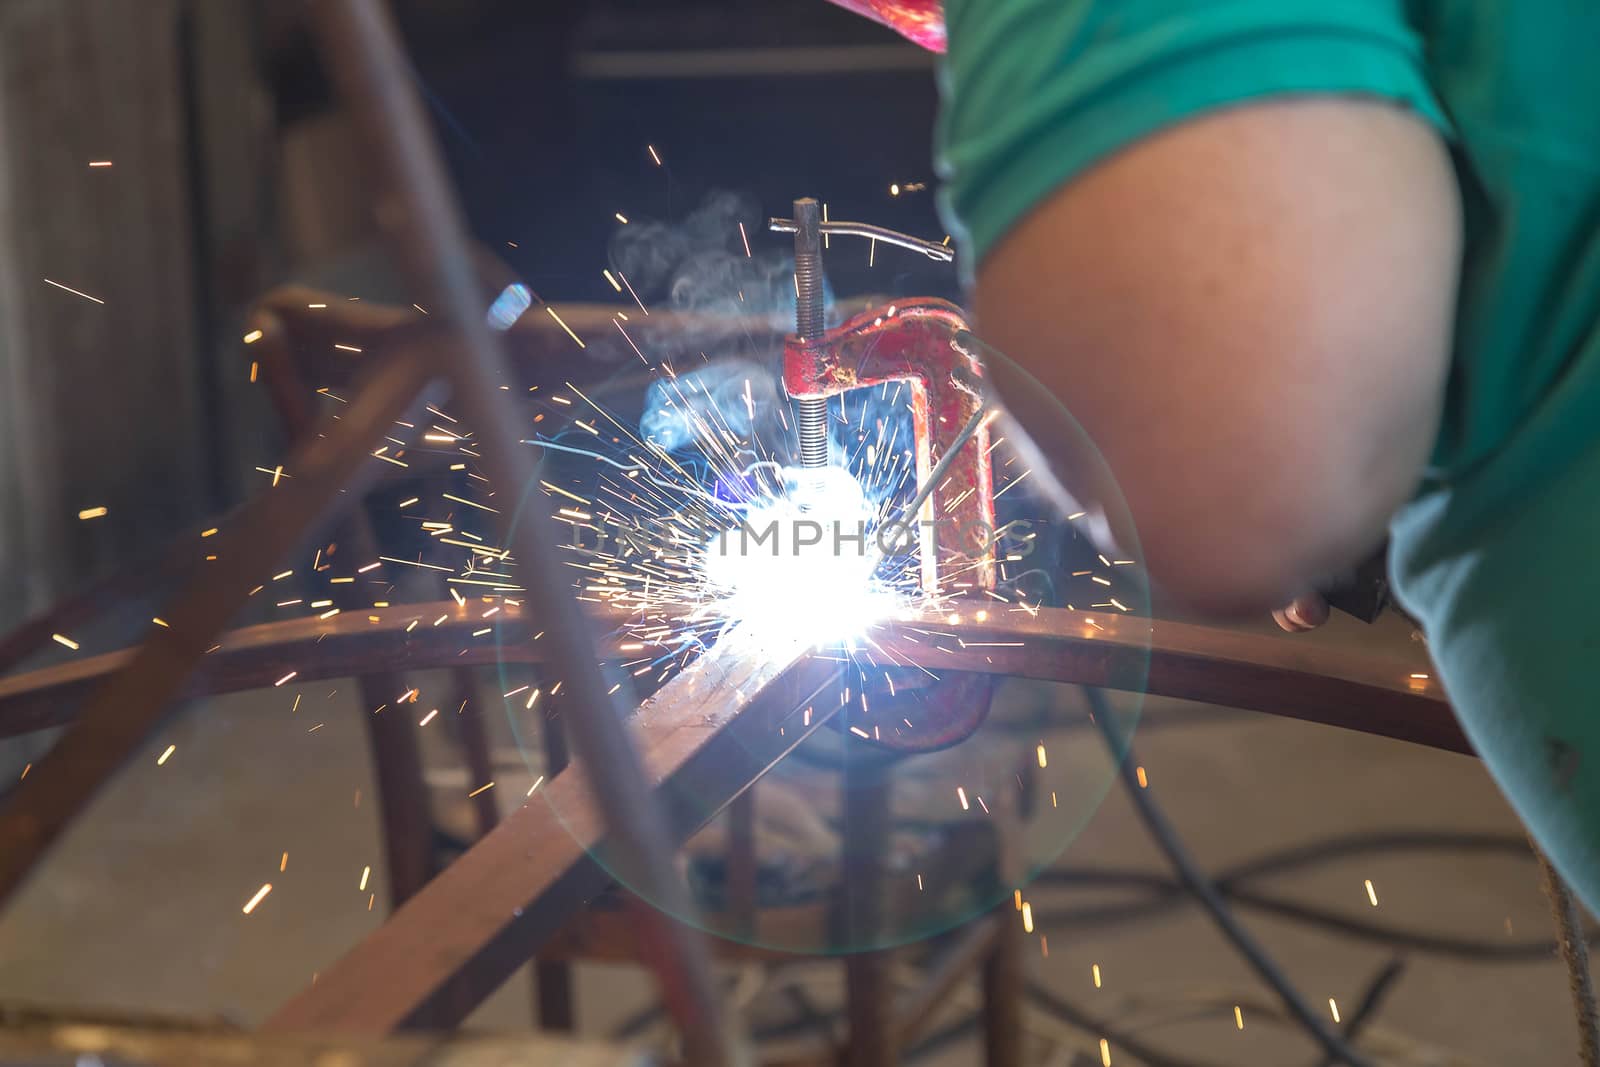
x,y
139,908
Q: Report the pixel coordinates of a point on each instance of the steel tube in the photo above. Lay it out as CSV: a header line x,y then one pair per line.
x,y
129,703
418,213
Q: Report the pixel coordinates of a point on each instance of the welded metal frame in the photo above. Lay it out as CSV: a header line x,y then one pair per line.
x,y
700,745
445,953
532,871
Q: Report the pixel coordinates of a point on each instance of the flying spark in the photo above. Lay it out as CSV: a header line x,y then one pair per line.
x,y
250,905
75,292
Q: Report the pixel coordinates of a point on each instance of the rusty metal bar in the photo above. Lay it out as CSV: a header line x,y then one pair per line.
x,y
1004,992
173,560
347,645
552,978
1280,675
1288,676
742,863
704,738
869,988
163,1041
405,810
128,703
418,214
1294,677
968,951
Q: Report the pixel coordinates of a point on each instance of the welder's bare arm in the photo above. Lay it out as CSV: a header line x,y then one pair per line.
x,y
1250,314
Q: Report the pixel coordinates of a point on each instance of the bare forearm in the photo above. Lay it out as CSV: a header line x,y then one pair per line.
x,y
1257,350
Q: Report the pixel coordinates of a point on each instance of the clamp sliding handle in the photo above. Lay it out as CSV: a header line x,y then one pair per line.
x,y
943,253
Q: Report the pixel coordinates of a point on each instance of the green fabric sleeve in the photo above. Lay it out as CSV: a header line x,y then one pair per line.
x,y
1496,553
1035,91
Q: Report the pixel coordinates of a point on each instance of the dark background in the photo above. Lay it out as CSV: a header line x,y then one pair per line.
x,y
236,172
545,111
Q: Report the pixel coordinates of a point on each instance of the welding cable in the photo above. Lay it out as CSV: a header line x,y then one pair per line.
x,y
1067,1011
1171,895
809,1019
1377,990
1575,953
1194,878
1163,894
1056,1006
1045,1000
1168,893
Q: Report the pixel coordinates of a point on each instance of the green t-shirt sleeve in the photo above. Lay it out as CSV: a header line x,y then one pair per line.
x,y
1035,91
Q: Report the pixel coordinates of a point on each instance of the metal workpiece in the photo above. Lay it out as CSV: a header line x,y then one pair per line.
x,y
1398,699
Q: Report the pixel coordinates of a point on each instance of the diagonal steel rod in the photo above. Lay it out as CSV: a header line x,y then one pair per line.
x,y
417,210
127,705
703,739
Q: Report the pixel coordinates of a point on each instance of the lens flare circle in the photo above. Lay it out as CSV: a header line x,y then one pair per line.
x,y
715,547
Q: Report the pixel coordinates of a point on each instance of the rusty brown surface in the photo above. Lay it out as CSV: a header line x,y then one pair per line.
x,y
128,703
539,353
1296,677
1282,675
532,863
41,1039
421,221
706,736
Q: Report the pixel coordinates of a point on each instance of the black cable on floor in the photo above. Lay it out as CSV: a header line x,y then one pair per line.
x,y
1059,1008
1165,894
1069,1012
1575,953
1377,989
1155,821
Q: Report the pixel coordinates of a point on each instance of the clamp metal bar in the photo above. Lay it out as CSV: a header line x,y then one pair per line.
x,y
934,250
